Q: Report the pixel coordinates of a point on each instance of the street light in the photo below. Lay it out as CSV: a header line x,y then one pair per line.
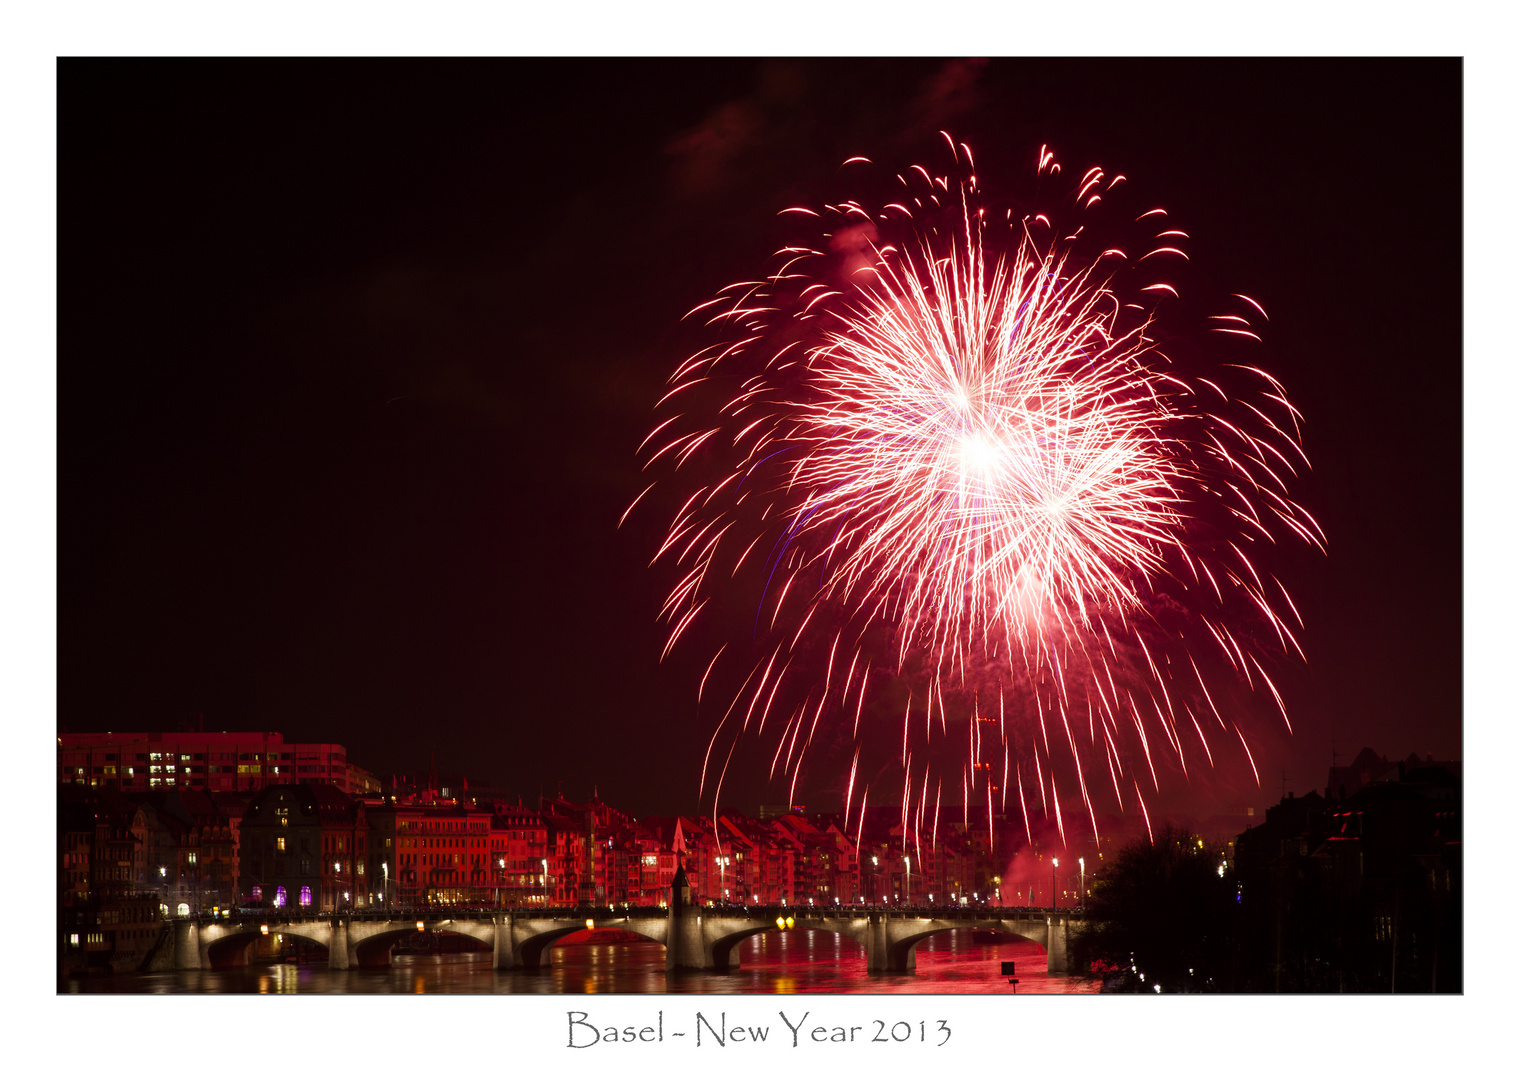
x,y
1054,862
544,881
1081,880
907,879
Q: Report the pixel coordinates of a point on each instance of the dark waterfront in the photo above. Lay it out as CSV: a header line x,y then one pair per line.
x,y
796,962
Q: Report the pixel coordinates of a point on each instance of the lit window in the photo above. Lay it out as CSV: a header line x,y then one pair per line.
x,y
279,896
73,939
279,843
258,892
306,896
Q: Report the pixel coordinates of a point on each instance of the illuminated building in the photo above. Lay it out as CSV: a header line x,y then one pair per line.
x,y
303,846
217,761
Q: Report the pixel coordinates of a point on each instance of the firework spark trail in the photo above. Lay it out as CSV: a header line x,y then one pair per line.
x,y
966,436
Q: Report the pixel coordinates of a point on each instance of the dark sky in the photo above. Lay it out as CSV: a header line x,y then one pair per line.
x,y
354,358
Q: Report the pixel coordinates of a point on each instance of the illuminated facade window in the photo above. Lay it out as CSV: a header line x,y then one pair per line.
x,y
279,843
306,896
258,892
279,896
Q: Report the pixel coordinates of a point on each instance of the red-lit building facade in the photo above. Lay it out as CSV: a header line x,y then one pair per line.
x,y
216,761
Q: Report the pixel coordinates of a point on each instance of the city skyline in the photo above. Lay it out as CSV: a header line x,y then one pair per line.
x,y
369,359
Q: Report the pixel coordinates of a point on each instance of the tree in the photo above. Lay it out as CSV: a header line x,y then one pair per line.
x,y
1160,914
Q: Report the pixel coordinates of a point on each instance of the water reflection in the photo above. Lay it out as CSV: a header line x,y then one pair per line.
x,y
796,961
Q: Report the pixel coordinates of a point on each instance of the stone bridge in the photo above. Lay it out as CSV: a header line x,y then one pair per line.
x,y
695,938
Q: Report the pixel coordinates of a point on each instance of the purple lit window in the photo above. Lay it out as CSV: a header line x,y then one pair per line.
x,y
306,896
279,896
258,892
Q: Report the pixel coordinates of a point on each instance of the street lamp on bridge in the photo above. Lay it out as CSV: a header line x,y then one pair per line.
x,y
1054,862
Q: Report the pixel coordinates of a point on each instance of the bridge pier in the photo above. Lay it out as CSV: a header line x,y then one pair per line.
x,y
187,945
337,947
1056,928
503,958
684,947
876,946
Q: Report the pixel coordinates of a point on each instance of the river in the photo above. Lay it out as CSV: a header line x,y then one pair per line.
x,y
800,961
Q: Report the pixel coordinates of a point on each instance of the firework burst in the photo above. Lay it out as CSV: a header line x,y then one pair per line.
x,y
950,442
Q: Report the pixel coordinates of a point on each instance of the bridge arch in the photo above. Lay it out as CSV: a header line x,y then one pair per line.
x,y
226,950
370,942
533,950
725,948
637,931
724,954
902,952
374,950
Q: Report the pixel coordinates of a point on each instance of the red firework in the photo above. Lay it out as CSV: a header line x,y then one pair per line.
x,y
954,431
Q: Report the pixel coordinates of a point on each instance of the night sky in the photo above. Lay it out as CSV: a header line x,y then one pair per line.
x,y
354,358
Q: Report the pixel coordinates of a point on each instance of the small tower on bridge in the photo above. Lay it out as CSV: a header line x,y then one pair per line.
x,y
680,889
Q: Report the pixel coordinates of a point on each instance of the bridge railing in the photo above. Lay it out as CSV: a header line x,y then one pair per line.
x,y
605,914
